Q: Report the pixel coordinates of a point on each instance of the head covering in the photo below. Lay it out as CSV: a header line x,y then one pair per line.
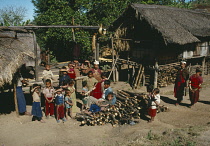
x,y
63,70
96,62
184,62
198,70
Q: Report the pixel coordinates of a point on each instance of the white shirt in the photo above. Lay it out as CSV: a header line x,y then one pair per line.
x,y
48,92
157,97
19,82
47,74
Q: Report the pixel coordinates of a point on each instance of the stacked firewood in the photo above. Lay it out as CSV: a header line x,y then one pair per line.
x,y
167,75
125,111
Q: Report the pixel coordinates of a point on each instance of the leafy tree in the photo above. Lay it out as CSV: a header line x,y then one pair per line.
x,y
84,12
12,15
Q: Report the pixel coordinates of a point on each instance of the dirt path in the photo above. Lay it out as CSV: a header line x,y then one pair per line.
x,y
180,126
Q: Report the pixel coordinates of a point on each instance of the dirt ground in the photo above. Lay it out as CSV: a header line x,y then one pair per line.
x,y
179,126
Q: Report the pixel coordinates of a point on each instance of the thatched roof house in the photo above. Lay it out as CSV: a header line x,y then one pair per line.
x,y
16,48
175,25
159,35
160,28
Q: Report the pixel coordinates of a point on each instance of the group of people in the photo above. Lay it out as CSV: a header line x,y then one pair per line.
x,y
184,81
60,102
96,93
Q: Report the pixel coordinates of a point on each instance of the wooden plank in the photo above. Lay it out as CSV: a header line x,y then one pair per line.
x,y
15,99
36,58
156,75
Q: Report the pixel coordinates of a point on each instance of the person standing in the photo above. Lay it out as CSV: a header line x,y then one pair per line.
x,y
195,82
20,96
181,82
48,92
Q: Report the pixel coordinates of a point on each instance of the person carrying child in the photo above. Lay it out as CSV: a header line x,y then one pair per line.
x,y
47,74
68,103
49,96
154,102
36,105
59,101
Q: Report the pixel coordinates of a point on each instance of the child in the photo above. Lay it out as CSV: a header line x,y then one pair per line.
x,y
110,101
59,101
49,96
68,103
36,107
91,81
47,74
72,94
155,101
84,91
64,78
71,71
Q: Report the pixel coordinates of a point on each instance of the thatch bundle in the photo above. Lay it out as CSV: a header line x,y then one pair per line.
x,y
14,52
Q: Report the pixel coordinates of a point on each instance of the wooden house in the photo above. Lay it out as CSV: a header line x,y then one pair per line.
x,y
161,36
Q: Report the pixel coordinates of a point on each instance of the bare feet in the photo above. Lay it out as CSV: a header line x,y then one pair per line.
x,y
42,121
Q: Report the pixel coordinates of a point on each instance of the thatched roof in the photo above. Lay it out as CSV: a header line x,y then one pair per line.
x,y
13,52
176,25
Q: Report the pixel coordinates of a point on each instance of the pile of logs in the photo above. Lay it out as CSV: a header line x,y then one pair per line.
x,y
125,111
167,75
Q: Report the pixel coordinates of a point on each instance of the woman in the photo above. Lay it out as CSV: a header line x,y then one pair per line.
x,y
194,85
180,82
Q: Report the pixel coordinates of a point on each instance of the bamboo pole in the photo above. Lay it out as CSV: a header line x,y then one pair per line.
x,y
203,65
97,51
137,76
36,57
15,99
140,76
113,60
156,75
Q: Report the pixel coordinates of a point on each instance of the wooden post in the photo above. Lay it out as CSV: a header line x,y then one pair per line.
x,y
156,75
36,57
48,56
97,52
112,46
203,65
128,70
15,99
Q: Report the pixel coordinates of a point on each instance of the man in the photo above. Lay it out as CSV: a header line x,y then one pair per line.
x,y
180,82
96,71
195,82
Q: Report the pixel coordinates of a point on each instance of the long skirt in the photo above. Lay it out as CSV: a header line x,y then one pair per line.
x,y
36,109
97,93
21,100
179,91
194,96
152,112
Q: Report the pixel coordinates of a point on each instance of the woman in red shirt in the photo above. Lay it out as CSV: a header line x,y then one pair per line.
x,y
194,85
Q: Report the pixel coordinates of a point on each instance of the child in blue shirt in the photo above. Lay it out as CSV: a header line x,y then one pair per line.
x,y
59,101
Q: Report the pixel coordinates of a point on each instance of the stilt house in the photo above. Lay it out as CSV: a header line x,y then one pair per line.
x,y
158,37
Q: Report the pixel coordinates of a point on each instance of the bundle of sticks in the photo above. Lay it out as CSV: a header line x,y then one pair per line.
x,y
125,111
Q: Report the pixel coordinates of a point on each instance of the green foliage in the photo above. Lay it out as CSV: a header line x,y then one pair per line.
x,y
84,12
